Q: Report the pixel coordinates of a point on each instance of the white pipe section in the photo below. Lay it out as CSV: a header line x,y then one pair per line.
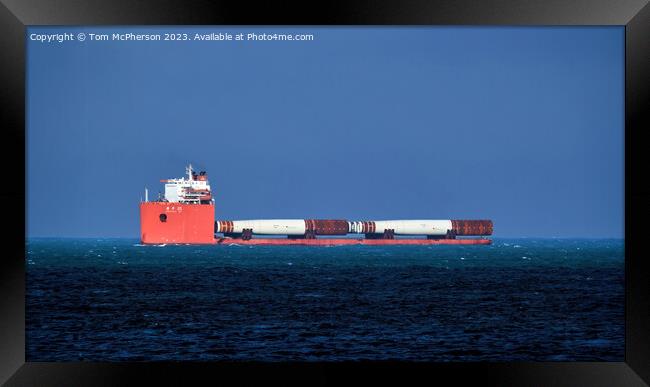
x,y
413,227
271,226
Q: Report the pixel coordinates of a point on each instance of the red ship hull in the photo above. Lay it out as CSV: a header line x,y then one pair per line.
x,y
349,241
164,222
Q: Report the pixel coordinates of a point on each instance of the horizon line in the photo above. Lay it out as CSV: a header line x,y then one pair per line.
x,y
344,236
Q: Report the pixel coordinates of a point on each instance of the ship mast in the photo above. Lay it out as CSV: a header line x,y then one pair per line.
x,y
189,171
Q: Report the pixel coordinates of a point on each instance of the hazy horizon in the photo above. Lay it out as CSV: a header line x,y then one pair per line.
x,y
338,236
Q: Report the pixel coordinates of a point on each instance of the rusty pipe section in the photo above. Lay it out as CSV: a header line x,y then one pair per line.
x,y
327,226
472,227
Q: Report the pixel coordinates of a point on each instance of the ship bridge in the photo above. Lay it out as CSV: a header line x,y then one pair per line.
x,y
195,189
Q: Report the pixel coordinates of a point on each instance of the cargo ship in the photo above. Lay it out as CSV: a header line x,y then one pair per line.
x,y
185,214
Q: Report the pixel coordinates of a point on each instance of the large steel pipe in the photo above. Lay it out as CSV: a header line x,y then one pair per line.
x,y
284,226
402,227
423,227
263,226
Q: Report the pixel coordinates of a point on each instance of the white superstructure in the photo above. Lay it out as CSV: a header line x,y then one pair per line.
x,y
193,190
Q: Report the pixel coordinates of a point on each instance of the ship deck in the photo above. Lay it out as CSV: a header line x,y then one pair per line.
x,y
349,241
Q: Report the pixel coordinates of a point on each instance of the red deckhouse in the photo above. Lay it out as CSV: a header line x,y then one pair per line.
x,y
184,215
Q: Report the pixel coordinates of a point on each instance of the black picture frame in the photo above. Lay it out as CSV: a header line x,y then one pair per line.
x,y
16,15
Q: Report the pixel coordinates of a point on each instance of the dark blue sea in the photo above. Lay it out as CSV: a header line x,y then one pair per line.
x,y
518,299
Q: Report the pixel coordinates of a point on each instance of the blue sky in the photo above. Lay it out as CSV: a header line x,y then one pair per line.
x,y
524,126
